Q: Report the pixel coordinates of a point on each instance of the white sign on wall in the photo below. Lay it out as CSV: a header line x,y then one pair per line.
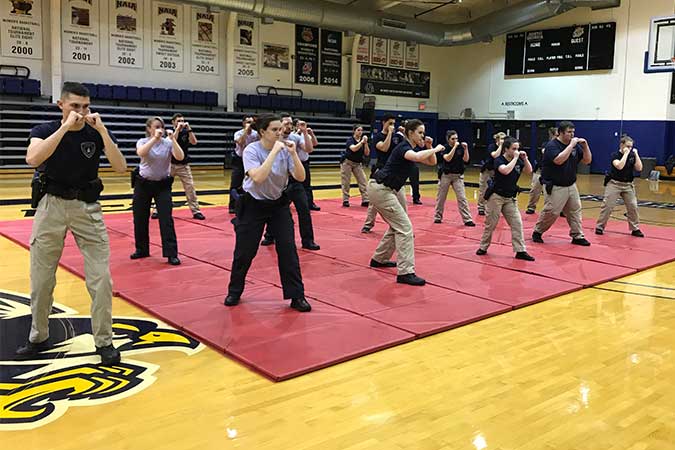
x,y
379,51
205,34
246,47
167,37
412,56
21,28
396,53
363,50
126,33
80,31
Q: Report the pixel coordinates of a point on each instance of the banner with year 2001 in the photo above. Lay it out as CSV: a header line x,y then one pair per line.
x,y
167,37
21,28
126,33
80,31
205,36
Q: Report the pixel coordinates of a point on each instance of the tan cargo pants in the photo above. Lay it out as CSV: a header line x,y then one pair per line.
x,y
562,199
613,191
507,206
536,189
372,212
347,168
457,182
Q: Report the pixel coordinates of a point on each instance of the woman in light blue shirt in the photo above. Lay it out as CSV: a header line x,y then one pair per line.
x,y
153,181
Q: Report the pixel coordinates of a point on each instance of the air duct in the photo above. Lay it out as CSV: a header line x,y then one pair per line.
x,y
345,18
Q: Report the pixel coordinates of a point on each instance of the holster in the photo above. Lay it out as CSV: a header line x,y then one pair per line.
x,y
548,185
490,190
607,178
134,173
38,187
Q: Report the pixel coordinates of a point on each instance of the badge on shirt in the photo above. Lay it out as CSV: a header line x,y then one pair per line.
x,y
88,149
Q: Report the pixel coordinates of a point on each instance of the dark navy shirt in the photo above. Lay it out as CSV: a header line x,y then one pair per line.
x,y
564,174
507,185
456,164
356,156
398,169
76,159
489,162
382,157
627,173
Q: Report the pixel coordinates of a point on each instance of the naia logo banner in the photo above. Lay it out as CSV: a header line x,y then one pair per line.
x,y
167,37
126,33
21,28
80,31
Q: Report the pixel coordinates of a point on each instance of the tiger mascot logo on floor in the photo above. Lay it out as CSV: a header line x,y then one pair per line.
x,y
36,392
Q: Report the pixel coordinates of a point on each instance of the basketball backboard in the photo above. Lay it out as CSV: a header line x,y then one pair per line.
x,y
660,56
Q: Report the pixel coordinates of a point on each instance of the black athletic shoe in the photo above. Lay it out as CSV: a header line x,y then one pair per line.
x,y
155,215
638,233
174,261
581,241
345,204
469,224
365,230
265,242
198,216
481,252
599,232
231,300
536,237
524,256
411,279
481,213
417,202
109,355
31,350
438,220
138,255
301,304
529,211
365,204
374,263
311,246
314,207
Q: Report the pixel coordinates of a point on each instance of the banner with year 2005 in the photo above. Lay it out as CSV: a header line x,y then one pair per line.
x,y
126,33
80,31
205,36
21,28
167,37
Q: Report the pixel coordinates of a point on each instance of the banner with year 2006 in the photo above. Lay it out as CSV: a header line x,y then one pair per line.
x,y
80,31
167,37
21,28
205,36
126,33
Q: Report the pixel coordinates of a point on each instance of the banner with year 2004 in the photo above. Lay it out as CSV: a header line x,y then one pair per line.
x,y
80,31
21,28
167,37
126,33
205,36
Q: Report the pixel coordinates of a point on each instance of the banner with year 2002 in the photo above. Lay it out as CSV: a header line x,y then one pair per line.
x,y
167,37
126,33
21,28
205,36
80,31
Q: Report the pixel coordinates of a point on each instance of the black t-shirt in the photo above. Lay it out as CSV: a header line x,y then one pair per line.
x,y
76,159
507,185
538,157
560,175
382,157
356,156
398,169
184,142
489,162
456,164
627,173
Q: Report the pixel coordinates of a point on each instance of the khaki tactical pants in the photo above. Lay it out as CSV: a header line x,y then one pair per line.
x,y
482,187
457,182
184,172
613,191
347,168
508,206
54,217
399,236
562,199
372,212
536,189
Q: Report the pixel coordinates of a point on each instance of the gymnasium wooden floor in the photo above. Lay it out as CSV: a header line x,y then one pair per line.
x,y
590,370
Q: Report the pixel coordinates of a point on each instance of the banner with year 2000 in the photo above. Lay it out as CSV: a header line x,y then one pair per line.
x,y
167,37
126,33
21,28
80,31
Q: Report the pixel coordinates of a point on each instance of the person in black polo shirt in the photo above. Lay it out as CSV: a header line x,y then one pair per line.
x,y
559,177
487,170
451,173
383,192
502,199
67,153
356,149
619,183
415,174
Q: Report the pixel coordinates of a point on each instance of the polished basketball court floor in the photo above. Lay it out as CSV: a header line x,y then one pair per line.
x,y
588,370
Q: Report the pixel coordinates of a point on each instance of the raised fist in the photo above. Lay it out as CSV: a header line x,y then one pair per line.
x,y
73,119
158,133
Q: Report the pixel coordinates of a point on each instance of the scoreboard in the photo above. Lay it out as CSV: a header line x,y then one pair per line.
x,y
570,49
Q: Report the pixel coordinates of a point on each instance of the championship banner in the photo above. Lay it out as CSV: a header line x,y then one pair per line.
x,y
167,37
126,33
80,31
306,54
396,53
394,82
412,56
379,51
363,50
246,47
205,38
331,57
21,28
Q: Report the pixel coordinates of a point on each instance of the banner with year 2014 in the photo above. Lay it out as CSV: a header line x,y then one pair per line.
x,y
167,37
80,31
21,28
205,36
126,33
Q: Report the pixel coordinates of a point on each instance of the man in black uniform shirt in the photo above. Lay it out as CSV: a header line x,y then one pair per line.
x,y
67,155
559,178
